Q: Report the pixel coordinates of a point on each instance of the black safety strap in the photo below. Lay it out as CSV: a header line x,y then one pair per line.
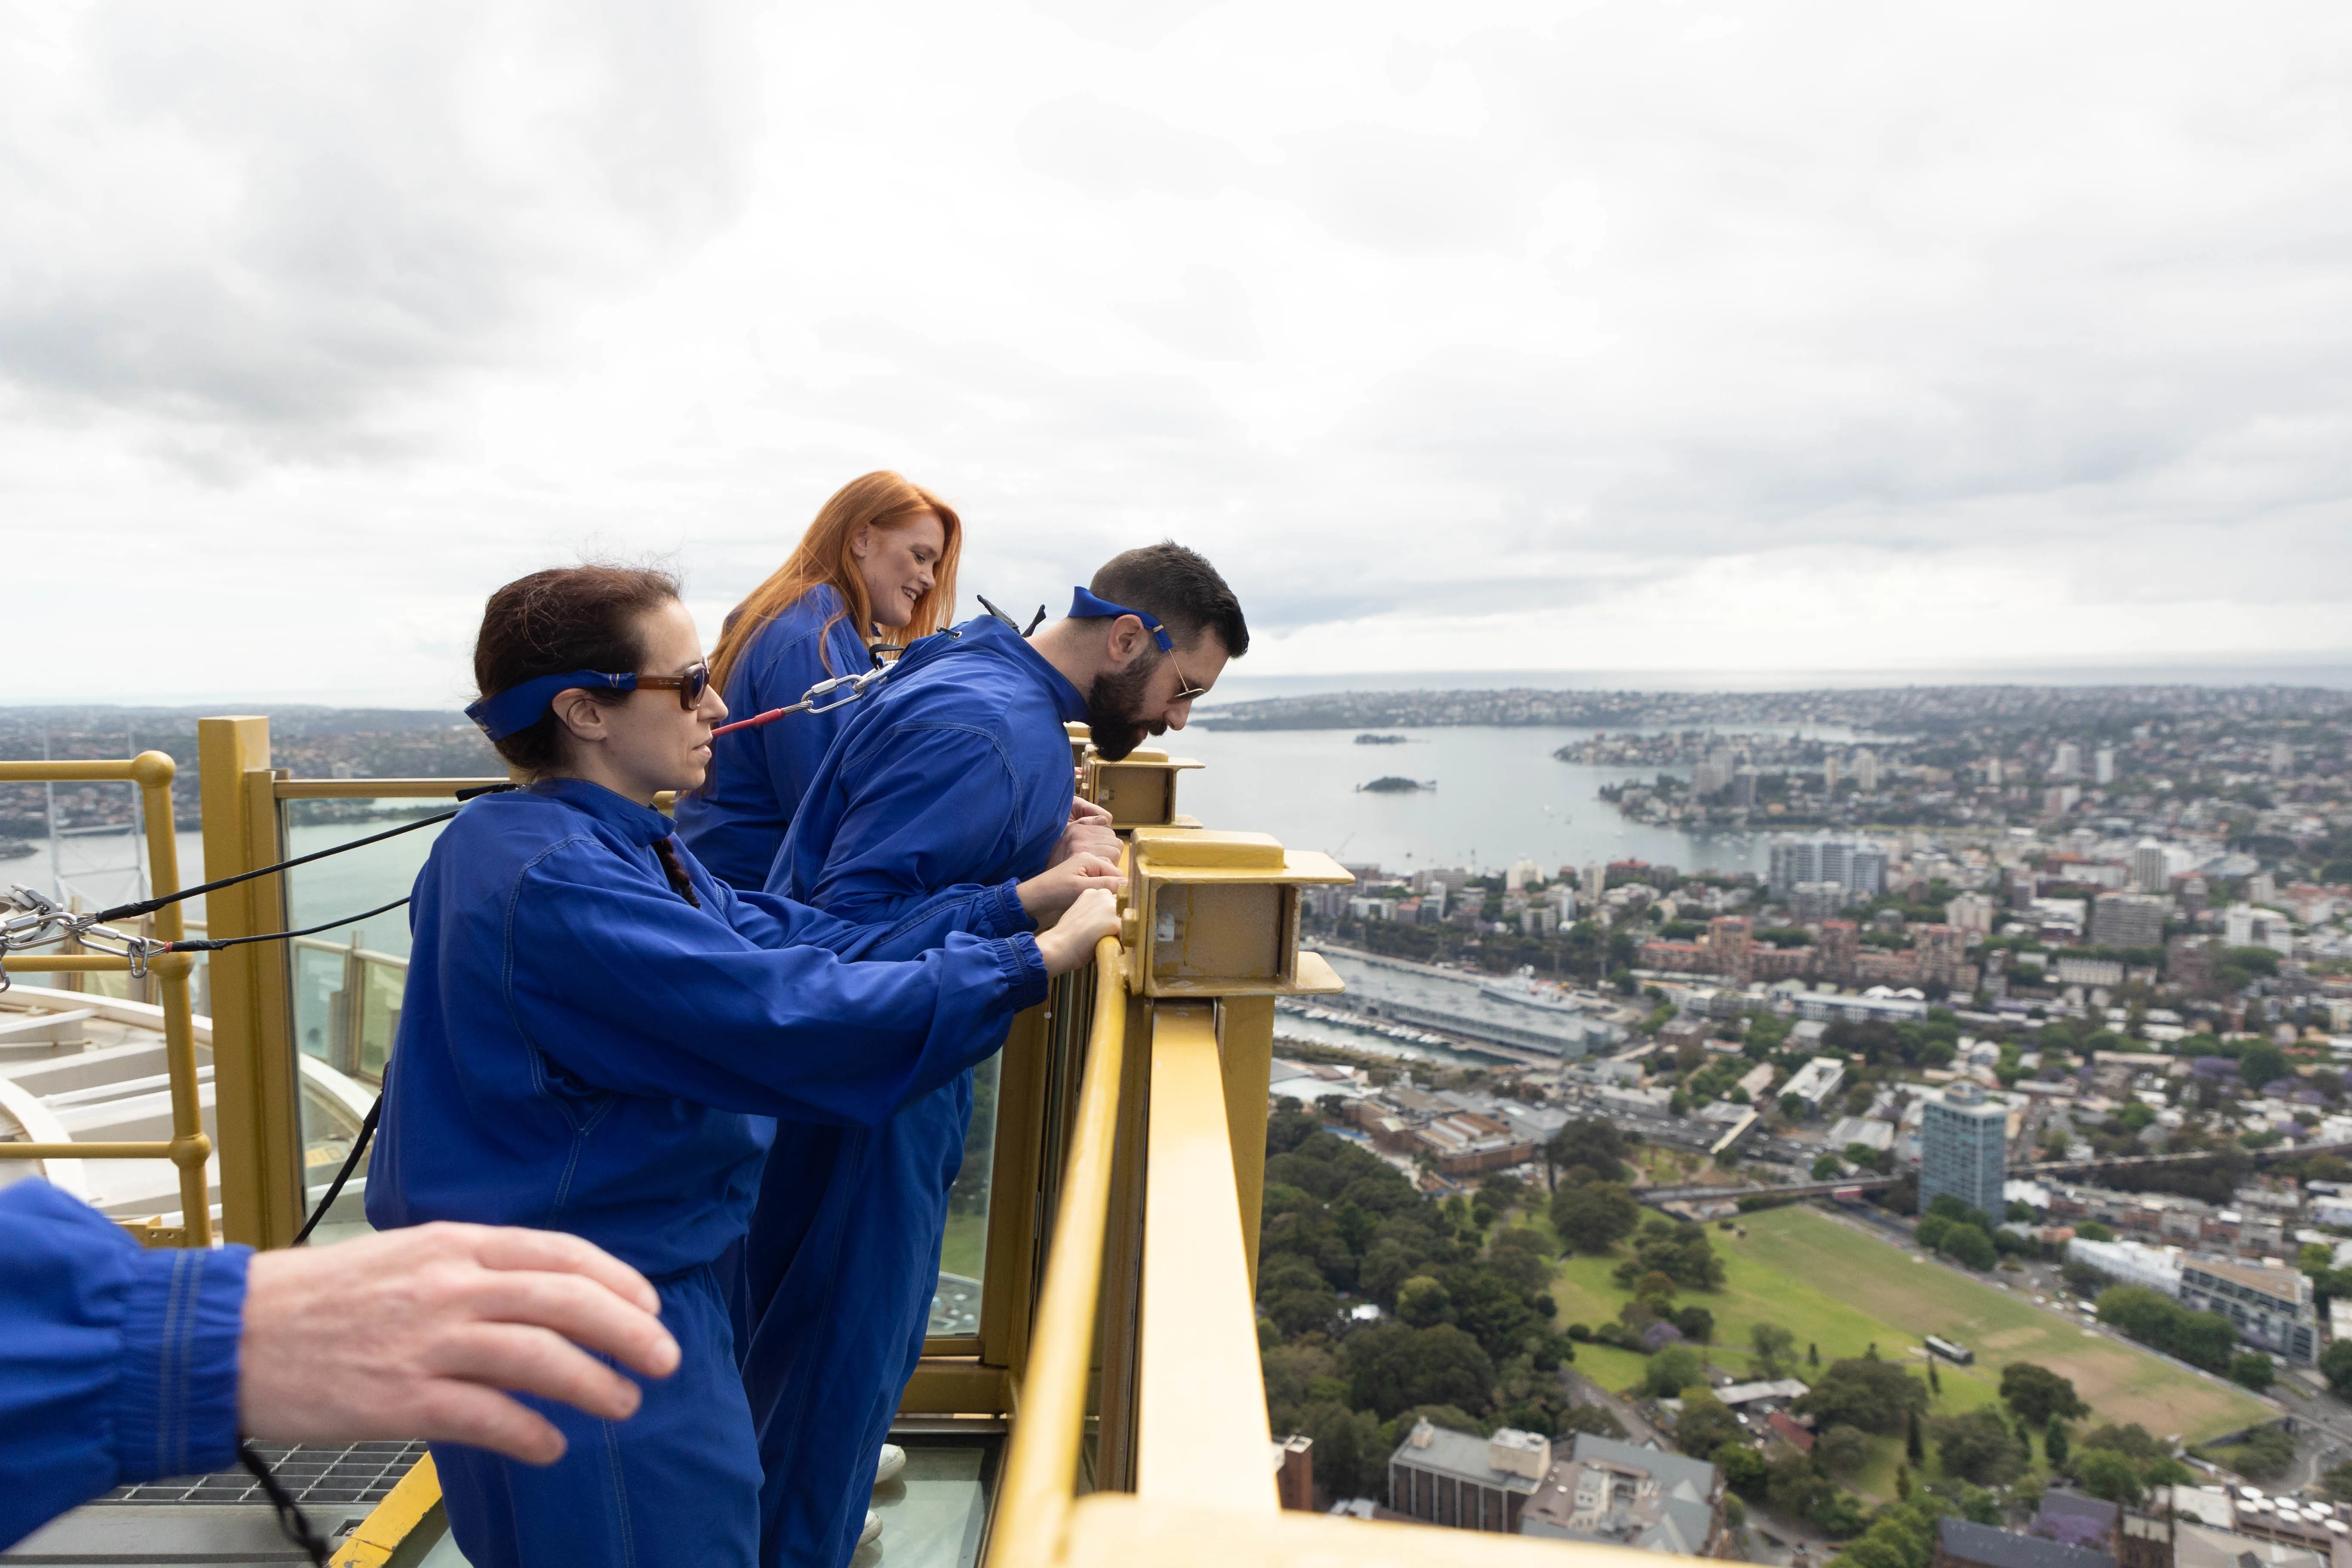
x,y
290,1517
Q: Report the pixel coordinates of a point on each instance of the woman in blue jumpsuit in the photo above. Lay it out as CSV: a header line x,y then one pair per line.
x,y
881,554
596,1033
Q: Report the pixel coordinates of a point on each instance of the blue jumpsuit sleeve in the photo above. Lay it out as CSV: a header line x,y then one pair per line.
x,y
934,799
771,918
600,968
117,1363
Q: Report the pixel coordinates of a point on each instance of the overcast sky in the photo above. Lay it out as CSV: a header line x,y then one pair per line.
x,y
1833,336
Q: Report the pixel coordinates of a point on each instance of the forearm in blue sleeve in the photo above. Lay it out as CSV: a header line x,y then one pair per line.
x,y
604,973
926,808
117,1365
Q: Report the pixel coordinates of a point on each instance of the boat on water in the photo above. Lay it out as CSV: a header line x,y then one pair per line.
x,y
1524,990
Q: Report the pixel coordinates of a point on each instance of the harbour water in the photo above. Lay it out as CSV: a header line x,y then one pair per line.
x,y
1500,798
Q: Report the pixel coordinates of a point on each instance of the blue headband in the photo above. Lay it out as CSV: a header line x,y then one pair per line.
x,y
1085,606
521,707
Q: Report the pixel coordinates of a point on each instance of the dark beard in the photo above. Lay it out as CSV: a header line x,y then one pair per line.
x,y
1113,705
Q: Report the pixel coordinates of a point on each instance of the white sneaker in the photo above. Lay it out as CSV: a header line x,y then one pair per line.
x,y
893,1460
873,1527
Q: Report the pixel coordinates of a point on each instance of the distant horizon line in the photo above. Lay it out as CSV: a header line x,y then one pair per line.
x,y
2325,672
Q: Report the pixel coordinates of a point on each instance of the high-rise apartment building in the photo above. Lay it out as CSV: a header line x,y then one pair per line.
x,y
1730,940
1830,773
1596,881
2271,1306
2127,919
1856,864
2103,765
2282,757
1963,1149
1941,951
1838,946
2148,873
1817,900
1522,874
1866,771
1972,912
2068,762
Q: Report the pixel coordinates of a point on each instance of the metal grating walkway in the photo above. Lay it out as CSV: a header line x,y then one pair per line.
x,y
320,1477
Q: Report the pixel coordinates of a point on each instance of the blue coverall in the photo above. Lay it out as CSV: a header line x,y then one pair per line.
x,y
956,774
736,821
582,1049
117,1365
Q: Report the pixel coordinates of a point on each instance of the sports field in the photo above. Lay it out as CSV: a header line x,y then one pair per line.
x,y
1841,1289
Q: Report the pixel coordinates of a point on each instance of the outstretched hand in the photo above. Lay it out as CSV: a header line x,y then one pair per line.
x,y
1045,896
420,1334
1071,943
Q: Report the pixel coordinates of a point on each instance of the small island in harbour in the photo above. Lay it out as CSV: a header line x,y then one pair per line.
x,y
1367,739
1392,785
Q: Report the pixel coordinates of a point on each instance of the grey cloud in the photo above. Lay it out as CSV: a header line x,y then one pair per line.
x,y
289,221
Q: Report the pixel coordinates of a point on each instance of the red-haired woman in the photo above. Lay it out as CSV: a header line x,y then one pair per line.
x,y
880,555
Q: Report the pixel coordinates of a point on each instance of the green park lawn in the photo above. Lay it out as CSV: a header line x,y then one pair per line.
x,y
1844,1290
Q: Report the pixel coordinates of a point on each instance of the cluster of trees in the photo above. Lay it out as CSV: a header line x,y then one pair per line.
x,y
2205,1339
1469,1340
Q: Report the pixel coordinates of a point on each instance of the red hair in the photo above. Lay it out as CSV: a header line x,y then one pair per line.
x,y
881,499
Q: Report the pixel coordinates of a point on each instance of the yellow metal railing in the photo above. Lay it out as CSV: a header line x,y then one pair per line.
x,y
188,1148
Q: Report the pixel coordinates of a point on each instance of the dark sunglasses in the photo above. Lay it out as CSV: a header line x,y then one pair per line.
x,y
689,686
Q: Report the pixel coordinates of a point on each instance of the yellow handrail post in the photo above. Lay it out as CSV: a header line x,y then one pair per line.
x,y
153,771
1042,1463
255,1092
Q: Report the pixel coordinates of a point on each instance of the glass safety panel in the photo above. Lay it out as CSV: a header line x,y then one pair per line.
x,y
347,984
964,1252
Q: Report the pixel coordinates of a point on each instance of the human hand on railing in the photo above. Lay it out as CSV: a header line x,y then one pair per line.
x,y
1045,895
419,1332
1089,833
1071,943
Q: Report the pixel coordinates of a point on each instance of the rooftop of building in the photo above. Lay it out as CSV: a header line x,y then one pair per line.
x,y
1623,1494
1991,1548
2286,1284
2204,1546
1465,1456
2075,1520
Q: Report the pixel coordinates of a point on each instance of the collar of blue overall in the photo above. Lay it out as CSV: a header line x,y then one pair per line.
x,y
520,707
1085,606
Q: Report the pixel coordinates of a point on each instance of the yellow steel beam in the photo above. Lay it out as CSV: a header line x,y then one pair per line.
x,y
74,964
256,1099
1246,1053
1112,1531
415,1502
1200,1414
161,1150
1041,1466
956,1385
113,771
375,789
